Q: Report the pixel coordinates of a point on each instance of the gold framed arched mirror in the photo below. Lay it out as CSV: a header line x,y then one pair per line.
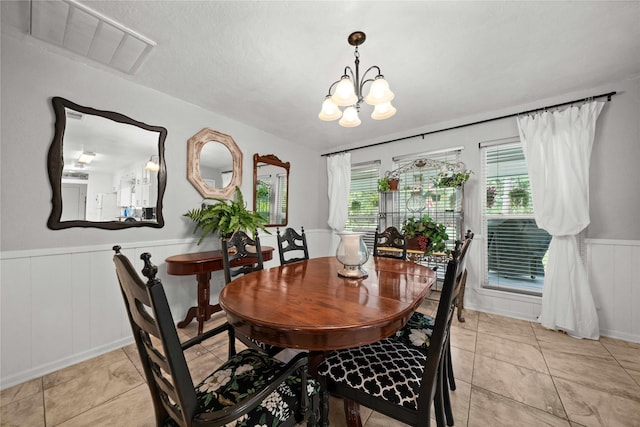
x,y
214,164
271,189
106,170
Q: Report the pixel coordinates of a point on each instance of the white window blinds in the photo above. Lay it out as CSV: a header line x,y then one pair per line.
x,y
515,252
363,197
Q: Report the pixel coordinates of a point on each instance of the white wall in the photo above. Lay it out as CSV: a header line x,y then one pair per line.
x,y
59,298
31,75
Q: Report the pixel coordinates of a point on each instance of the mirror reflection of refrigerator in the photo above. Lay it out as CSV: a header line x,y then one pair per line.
x,y
108,209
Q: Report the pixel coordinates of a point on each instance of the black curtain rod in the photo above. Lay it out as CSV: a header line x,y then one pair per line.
x,y
589,98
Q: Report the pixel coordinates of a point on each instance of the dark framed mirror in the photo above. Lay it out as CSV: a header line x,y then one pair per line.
x,y
271,189
214,164
106,170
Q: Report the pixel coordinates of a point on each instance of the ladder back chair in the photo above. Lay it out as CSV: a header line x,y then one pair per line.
x,y
395,379
289,241
242,391
243,250
422,325
391,239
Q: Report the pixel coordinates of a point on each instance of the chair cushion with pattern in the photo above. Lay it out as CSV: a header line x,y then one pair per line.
x,y
417,332
245,373
387,369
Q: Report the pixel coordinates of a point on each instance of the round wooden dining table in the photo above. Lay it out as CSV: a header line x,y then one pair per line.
x,y
306,305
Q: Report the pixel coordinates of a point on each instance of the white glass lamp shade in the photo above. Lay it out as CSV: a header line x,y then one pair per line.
x,y
330,110
383,111
379,92
352,253
345,94
350,118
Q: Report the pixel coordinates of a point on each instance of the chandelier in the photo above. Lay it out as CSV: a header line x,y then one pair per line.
x,y
348,92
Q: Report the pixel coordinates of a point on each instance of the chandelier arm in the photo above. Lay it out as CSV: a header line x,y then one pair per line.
x,y
369,80
371,68
353,76
332,86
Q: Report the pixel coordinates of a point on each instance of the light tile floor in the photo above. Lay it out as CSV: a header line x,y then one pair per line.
x,y
508,372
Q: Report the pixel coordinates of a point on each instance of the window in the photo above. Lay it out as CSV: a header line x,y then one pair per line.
x,y
281,198
418,194
515,251
363,198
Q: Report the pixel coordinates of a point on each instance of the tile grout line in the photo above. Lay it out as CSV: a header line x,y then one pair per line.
x,y
553,381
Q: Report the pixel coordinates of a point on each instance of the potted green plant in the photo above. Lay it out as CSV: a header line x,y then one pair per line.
x,y
423,233
225,218
491,195
452,178
519,195
389,182
383,184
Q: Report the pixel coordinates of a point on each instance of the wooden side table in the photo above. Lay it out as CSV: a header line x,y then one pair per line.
x,y
202,264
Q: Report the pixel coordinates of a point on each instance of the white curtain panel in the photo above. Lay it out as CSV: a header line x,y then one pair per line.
x,y
557,149
339,173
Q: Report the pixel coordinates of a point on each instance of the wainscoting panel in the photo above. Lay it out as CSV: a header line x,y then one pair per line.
x,y
58,308
62,306
614,274
613,268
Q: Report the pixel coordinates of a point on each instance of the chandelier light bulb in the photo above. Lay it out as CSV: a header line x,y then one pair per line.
x,y
383,111
350,118
379,92
330,110
345,93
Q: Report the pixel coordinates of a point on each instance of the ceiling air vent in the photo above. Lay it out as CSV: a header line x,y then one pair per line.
x,y
75,27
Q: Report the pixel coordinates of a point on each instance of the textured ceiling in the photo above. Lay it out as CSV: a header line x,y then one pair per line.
x,y
270,64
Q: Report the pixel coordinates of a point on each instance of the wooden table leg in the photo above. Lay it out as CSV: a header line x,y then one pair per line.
x,y
352,411
315,358
204,310
204,280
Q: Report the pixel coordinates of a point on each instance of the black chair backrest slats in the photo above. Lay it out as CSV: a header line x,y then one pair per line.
x,y
246,260
289,241
390,238
166,370
444,317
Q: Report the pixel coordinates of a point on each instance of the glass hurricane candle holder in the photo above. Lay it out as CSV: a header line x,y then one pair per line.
x,y
352,253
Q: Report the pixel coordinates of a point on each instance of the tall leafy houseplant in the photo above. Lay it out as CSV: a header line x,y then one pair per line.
x,y
430,236
225,218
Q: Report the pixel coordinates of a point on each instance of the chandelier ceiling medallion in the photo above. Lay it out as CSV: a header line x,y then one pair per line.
x,y
348,92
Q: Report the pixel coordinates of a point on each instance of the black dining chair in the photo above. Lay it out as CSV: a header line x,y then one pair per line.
x,y
242,391
244,252
390,238
395,379
418,330
242,255
290,241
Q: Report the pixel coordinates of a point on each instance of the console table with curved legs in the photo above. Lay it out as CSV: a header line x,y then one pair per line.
x,y
201,264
